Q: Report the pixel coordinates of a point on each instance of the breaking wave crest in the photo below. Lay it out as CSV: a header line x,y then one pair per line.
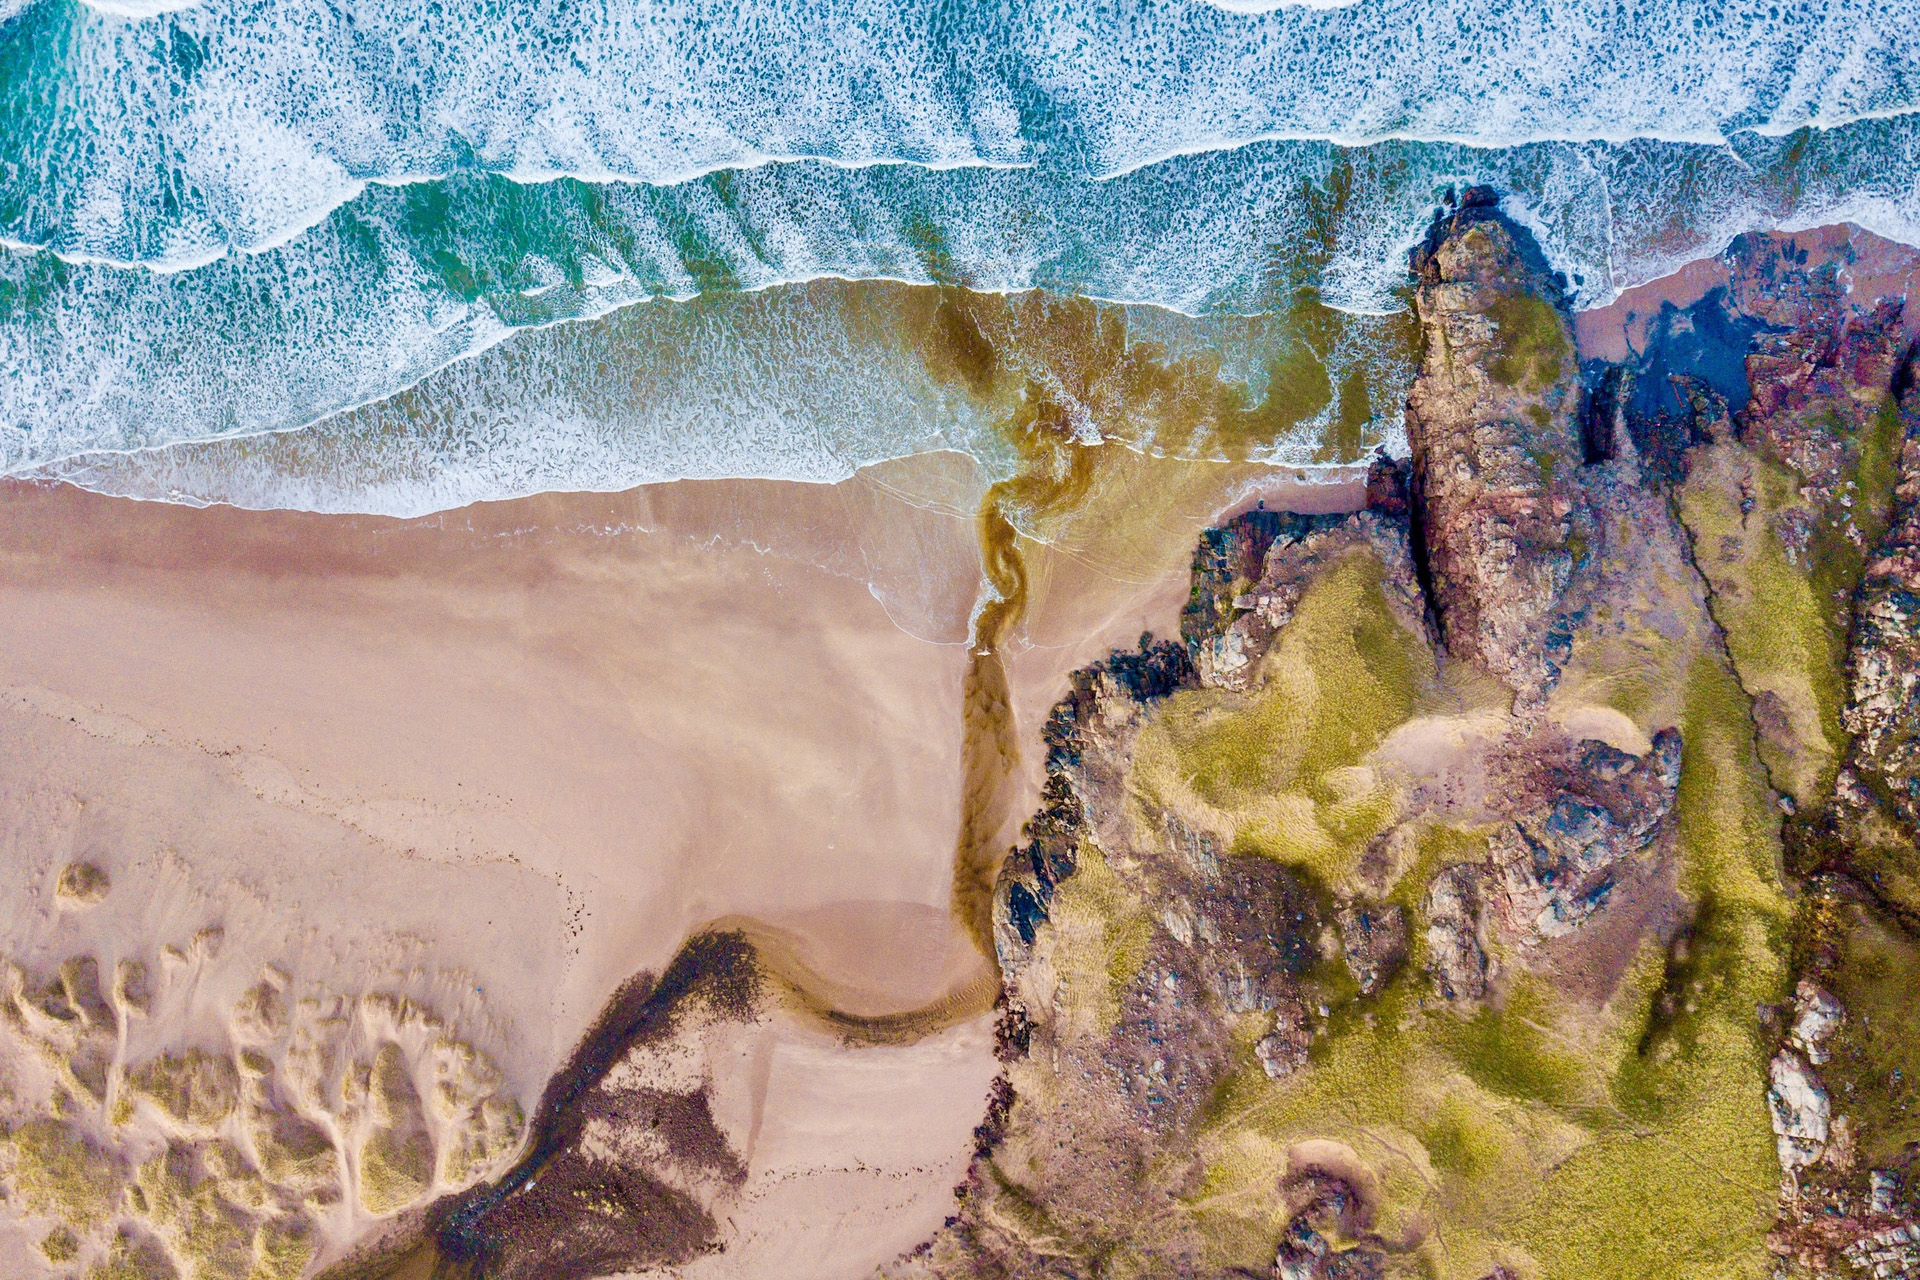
x,y
407,280
132,134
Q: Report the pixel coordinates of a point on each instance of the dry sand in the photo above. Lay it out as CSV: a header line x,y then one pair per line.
x,y
502,759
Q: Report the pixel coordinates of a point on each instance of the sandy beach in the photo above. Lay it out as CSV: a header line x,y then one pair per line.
x,y
499,761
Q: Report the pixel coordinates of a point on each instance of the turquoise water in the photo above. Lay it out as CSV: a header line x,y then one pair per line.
x,y
241,218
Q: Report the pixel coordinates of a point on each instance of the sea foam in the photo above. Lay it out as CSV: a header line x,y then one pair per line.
x,y
407,280
255,216
171,138
107,367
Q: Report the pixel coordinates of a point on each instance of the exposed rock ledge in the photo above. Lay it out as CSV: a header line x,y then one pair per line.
x,y
1410,915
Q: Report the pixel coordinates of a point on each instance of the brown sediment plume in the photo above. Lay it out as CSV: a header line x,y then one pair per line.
x,y
1085,391
1109,373
1057,470
990,750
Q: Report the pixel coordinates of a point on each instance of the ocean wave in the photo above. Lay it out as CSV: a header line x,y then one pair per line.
x,y
139,8
173,138
804,382
405,281
1268,6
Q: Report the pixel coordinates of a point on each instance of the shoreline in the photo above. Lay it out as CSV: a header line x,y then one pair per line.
x,y
501,759
220,472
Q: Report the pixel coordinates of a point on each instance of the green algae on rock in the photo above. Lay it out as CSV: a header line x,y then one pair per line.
x,y
1347,946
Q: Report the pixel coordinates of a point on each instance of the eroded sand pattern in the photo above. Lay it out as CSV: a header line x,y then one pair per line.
x,y
305,1115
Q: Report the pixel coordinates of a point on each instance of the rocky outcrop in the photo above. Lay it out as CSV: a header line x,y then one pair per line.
x,y
1582,814
1585,809
1319,952
1840,1093
1817,388
1494,424
1885,687
1249,576
626,1161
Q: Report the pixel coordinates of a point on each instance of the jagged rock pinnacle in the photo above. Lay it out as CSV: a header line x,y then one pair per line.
x,y
1494,424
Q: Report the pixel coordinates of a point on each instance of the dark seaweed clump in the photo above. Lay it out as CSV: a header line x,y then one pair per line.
x,y
560,1216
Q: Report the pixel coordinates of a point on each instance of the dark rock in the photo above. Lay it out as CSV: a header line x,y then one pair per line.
x,y
1325,1209
637,1197
1494,421
1590,807
1388,481
1770,281
1374,938
1155,671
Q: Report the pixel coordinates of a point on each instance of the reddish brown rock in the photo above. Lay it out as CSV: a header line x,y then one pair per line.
x,y
1816,391
1493,420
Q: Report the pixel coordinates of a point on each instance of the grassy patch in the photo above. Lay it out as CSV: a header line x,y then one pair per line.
x,y
1098,938
196,1090
1876,1053
1780,626
1512,1051
1531,344
1561,1141
57,1173
1278,771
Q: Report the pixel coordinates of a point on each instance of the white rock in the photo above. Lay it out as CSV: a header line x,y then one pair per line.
x,y
1819,1016
1801,1112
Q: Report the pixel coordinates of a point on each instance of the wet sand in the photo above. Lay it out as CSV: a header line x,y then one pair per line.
x,y
502,759
635,727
